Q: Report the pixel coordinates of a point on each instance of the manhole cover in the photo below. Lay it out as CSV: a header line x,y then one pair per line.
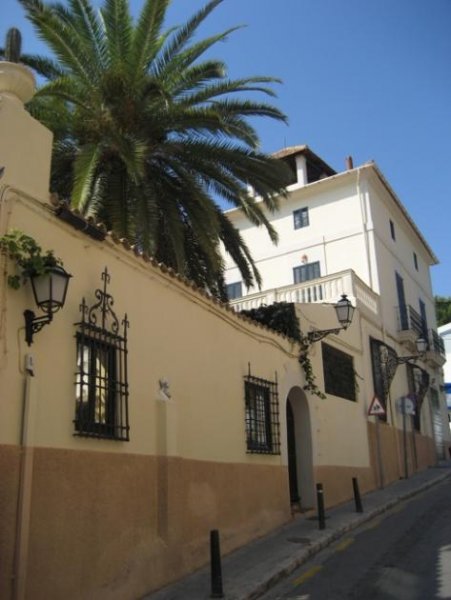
x,y
299,540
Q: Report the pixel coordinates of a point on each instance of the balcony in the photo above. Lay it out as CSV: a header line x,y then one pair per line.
x,y
436,354
326,289
410,326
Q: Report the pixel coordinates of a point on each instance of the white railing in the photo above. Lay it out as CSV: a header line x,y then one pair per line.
x,y
326,289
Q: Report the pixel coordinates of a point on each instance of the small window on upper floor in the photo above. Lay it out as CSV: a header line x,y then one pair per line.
x,y
300,218
392,230
306,272
415,260
234,290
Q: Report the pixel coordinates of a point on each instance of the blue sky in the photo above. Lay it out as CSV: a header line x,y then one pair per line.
x,y
362,78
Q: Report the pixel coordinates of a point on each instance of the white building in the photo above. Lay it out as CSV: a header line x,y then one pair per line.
x,y
445,333
348,233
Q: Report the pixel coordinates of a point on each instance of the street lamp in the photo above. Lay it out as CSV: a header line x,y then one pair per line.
x,y
395,360
344,311
390,361
49,291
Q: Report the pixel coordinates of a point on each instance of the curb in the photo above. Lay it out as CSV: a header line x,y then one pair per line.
x,y
315,548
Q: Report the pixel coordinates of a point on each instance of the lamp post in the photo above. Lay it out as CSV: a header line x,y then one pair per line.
x,y
49,291
344,311
390,362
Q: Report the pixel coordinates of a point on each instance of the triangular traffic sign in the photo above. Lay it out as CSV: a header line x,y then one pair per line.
x,y
376,407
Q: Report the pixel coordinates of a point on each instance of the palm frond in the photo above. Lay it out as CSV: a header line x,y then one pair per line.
x,y
118,31
148,37
60,35
224,87
90,28
43,65
85,166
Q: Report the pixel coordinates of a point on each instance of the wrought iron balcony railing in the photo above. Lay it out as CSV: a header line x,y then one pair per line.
x,y
410,320
436,344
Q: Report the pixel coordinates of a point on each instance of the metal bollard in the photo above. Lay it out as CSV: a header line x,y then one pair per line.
x,y
357,498
320,502
215,561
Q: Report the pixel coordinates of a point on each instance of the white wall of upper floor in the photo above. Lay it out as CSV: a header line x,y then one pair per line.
x,y
349,228
445,333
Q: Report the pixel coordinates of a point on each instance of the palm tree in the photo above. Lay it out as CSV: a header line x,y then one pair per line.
x,y
150,134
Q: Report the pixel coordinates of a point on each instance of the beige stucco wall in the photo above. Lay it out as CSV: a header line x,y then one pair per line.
x,y
139,512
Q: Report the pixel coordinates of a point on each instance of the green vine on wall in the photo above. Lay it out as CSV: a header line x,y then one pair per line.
x,y
281,317
27,255
304,360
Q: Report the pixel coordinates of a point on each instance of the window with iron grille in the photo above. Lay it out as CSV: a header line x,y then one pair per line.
x,y
339,377
300,218
381,377
262,415
101,386
306,272
418,383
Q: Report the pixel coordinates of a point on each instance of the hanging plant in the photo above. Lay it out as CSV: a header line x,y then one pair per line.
x,y
28,256
304,360
281,317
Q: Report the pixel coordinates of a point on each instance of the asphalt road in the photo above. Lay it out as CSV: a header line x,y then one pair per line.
x,y
404,554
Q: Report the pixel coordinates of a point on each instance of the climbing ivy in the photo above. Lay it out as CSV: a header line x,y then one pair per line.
x,y
281,317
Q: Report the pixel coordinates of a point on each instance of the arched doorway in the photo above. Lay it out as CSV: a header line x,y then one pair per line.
x,y
299,449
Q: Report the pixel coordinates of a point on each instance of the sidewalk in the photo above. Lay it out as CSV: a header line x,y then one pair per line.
x,y
251,570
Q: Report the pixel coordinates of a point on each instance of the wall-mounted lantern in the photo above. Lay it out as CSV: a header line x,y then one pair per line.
x,y
386,357
344,311
49,291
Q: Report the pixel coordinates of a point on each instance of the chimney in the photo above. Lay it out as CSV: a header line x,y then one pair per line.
x,y
349,163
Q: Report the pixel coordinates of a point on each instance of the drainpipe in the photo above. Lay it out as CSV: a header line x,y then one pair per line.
x,y
364,212
23,511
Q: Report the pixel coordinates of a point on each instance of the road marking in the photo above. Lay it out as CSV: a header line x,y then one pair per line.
x,y
373,525
397,509
344,544
307,575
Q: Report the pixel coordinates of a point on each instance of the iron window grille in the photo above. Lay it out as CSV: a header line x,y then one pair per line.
x,y
262,415
418,383
383,371
101,382
301,218
338,369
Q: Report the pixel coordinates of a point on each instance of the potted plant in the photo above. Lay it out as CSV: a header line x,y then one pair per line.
x,y
28,256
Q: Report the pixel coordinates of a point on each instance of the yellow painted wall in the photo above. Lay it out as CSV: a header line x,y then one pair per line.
x,y
112,519
175,333
87,518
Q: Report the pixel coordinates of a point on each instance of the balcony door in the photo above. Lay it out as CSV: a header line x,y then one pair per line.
x,y
424,321
403,319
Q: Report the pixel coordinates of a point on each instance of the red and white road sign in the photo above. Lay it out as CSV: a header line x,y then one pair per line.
x,y
376,408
